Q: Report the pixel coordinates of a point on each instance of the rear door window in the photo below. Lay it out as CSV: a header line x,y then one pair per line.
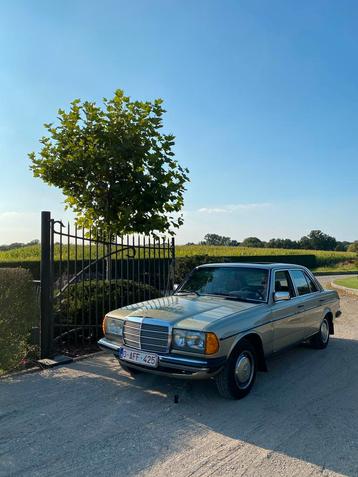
x,y
311,284
300,281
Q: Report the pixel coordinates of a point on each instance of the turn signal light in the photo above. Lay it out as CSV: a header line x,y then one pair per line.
x,y
211,344
104,325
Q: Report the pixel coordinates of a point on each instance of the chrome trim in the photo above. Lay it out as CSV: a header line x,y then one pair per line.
x,y
134,333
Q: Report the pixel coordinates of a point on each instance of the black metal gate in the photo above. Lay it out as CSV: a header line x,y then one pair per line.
x,y
84,274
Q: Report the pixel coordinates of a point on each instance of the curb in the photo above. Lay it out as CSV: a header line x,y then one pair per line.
x,y
349,291
43,368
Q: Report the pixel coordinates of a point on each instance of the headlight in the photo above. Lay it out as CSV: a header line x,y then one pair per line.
x,y
112,326
195,341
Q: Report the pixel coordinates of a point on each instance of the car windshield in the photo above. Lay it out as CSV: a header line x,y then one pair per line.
x,y
240,283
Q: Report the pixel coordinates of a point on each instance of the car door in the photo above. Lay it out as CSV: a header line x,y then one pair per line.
x,y
286,314
307,297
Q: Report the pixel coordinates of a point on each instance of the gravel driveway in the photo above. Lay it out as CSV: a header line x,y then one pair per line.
x,y
89,418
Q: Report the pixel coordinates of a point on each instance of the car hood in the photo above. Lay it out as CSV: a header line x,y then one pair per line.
x,y
188,312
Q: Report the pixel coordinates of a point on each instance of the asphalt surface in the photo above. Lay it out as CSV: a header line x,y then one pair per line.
x,y
90,418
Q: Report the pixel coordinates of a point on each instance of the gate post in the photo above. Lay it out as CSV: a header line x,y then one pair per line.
x,y
46,324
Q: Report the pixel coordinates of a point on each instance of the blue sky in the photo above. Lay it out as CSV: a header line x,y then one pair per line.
x,y
261,95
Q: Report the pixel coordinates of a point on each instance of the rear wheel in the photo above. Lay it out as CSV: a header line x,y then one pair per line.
x,y
320,340
238,376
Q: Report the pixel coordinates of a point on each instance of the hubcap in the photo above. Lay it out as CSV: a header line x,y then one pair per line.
x,y
324,331
244,369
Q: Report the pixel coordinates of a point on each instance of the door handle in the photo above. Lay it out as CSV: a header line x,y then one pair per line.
x,y
322,300
300,306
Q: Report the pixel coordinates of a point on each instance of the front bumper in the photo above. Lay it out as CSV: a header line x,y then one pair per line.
x,y
174,365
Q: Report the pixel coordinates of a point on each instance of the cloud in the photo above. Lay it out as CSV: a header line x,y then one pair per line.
x,y
229,209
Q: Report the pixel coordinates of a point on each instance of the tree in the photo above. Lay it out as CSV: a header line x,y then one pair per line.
x,y
283,243
214,239
317,240
252,242
353,247
114,166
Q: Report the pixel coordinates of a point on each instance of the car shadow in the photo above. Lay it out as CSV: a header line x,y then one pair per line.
x,y
305,407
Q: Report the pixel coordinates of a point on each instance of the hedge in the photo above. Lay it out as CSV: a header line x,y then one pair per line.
x,y
86,303
185,264
18,314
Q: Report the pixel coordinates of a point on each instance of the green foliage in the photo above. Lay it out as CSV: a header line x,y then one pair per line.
x,y
252,242
115,167
317,240
89,298
18,313
353,247
214,239
185,265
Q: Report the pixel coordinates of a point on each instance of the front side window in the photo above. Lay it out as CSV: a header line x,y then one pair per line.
x,y
241,283
299,279
283,282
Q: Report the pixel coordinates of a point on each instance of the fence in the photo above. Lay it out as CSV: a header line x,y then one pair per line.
x,y
84,274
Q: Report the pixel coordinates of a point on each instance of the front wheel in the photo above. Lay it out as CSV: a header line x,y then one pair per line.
x,y
238,376
320,340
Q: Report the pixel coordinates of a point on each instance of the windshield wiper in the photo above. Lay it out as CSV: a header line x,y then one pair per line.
x,y
188,292
233,297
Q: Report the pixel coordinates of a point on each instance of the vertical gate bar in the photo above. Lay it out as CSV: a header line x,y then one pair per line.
x,y
68,274
90,327
127,287
46,323
97,323
144,270
122,281
155,264
83,287
75,287
104,272
138,270
159,266
109,273
172,263
133,275
60,257
116,274
149,267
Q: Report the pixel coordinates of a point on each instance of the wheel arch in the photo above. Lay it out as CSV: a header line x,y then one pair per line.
x,y
256,341
329,315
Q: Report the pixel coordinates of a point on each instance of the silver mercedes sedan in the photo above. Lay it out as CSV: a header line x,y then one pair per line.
x,y
222,322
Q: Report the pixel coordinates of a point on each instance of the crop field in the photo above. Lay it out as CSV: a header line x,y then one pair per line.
x,y
326,260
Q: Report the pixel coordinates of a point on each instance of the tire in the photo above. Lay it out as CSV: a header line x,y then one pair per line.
x,y
238,376
321,339
131,371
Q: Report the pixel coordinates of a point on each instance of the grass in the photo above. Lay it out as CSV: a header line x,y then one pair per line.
x,y
326,260
351,282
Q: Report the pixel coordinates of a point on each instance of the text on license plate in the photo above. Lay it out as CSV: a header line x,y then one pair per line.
x,y
139,357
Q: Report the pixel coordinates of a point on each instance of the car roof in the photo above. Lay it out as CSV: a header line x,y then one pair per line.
x,y
261,265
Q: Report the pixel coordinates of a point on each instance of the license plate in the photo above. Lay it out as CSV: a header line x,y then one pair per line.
x,y
139,357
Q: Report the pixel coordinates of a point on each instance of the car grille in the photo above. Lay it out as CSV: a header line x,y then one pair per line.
x,y
146,336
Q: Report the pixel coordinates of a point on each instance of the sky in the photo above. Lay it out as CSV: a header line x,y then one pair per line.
x,y
262,97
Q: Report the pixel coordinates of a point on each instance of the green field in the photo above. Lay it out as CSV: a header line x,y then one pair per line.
x,y
326,260
351,282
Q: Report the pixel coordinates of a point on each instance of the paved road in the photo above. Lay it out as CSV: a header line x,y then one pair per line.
x,y
89,418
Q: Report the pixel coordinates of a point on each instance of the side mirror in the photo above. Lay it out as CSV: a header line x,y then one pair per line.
x,y
281,296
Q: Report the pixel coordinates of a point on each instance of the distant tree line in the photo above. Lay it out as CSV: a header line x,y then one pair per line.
x,y
315,240
18,245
